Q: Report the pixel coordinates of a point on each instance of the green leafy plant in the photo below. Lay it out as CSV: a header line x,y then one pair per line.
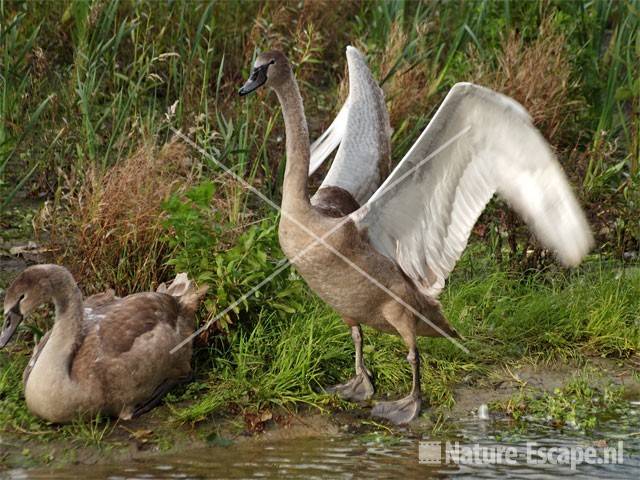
x,y
231,264
577,404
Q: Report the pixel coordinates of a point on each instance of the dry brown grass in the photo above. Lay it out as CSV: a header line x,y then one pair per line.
x,y
281,25
536,74
110,232
409,91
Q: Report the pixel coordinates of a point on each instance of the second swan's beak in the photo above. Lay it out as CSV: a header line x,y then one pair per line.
x,y
256,80
11,322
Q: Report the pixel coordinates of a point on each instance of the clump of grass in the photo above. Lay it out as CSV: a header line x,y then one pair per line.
x,y
578,404
242,265
89,432
13,411
410,85
545,315
20,59
111,229
276,362
289,26
17,223
538,74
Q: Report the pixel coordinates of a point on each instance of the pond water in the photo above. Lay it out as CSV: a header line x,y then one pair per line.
x,y
381,456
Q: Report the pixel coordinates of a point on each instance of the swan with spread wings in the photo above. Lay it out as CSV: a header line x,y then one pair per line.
x,y
379,254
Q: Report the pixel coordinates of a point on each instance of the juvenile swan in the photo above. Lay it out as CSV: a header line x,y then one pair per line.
x,y
387,251
106,355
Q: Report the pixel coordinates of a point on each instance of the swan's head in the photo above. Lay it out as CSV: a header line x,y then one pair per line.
x,y
270,69
32,288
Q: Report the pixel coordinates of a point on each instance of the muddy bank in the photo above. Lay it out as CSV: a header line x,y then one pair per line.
x,y
503,383
157,435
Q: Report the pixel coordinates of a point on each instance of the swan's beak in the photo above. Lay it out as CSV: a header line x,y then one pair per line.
x,y
256,80
9,326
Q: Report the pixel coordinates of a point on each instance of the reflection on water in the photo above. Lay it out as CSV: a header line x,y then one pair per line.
x,y
373,457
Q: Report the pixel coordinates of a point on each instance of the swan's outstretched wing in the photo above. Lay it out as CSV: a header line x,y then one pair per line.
x,y
326,143
362,132
478,143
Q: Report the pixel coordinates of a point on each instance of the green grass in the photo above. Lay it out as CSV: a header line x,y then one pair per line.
x,y
578,405
280,361
89,432
82,86
274,363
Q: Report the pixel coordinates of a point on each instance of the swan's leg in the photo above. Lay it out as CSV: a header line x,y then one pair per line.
x,y
360,387
407,408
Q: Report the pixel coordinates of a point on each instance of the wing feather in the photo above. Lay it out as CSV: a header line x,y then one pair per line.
x,y
326,143
423,214
123,321
362,132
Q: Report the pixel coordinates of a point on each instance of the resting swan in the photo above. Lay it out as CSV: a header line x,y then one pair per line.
x,y
386,251
106,355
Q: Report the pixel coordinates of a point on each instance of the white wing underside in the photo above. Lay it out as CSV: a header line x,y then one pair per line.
x,y
423,214
360,131
326,143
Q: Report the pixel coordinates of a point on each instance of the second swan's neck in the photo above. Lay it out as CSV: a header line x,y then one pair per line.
x,y
51,391
56,357
295,197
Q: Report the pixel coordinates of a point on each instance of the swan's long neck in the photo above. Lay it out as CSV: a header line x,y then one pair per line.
x,y
295,197
67,329
50,387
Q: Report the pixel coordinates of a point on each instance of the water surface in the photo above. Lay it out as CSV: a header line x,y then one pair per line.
x,y
375,456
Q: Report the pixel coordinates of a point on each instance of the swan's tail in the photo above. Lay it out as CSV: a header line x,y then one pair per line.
x,y
185,292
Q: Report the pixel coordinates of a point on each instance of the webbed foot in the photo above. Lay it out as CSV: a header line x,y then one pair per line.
x,y
358,389
399,411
